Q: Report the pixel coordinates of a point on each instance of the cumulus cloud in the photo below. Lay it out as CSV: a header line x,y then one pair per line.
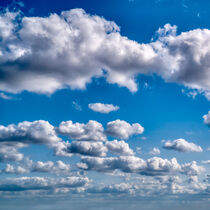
x,y
119,148
44,54
206,118
192,169
30,166
92,131
131,164
9,151
182,145
154,151
122,129
103,108
37,132
89,148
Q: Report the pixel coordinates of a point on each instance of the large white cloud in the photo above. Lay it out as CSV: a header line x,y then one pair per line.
x,y
182,145
44,54
103,108
206,118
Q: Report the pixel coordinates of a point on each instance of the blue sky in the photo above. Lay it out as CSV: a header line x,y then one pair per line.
x,y
104,102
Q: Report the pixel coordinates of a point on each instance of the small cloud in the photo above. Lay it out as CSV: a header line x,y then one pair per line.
x,y
154,151
4,96
103,108
206,119
76,106
191,94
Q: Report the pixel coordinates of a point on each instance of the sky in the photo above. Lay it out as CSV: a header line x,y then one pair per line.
x,y
104,104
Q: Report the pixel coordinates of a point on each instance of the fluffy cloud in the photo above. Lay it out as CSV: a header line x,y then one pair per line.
x,y
42,183
37,132
182,145
192,169
9,151
131,164
93,130
57,167
122,129
89,148
103,108
119,148
154,151
155,166
206,118
44,54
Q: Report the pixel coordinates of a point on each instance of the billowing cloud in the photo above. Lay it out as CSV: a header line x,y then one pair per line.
x,y
103,108
192,169
122,129
92,131
37,132
131,164
182,145
89,148
9,151
206,118
119,148
44,54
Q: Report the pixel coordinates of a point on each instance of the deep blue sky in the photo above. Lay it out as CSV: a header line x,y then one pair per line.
x,y
165,110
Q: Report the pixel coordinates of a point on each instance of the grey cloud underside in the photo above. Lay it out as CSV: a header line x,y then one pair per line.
x,y
42,183
151,167
45,54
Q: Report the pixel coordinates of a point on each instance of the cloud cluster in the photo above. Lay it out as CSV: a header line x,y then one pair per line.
x,y
155,166
182,145
103,108
88,139
44,54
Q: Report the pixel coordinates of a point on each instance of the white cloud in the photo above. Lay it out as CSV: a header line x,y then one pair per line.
x,y
67,50
206,118
131,164
103,108
192,169
154,151
92,131
37,132
182,145
122,129
9,151
119,148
